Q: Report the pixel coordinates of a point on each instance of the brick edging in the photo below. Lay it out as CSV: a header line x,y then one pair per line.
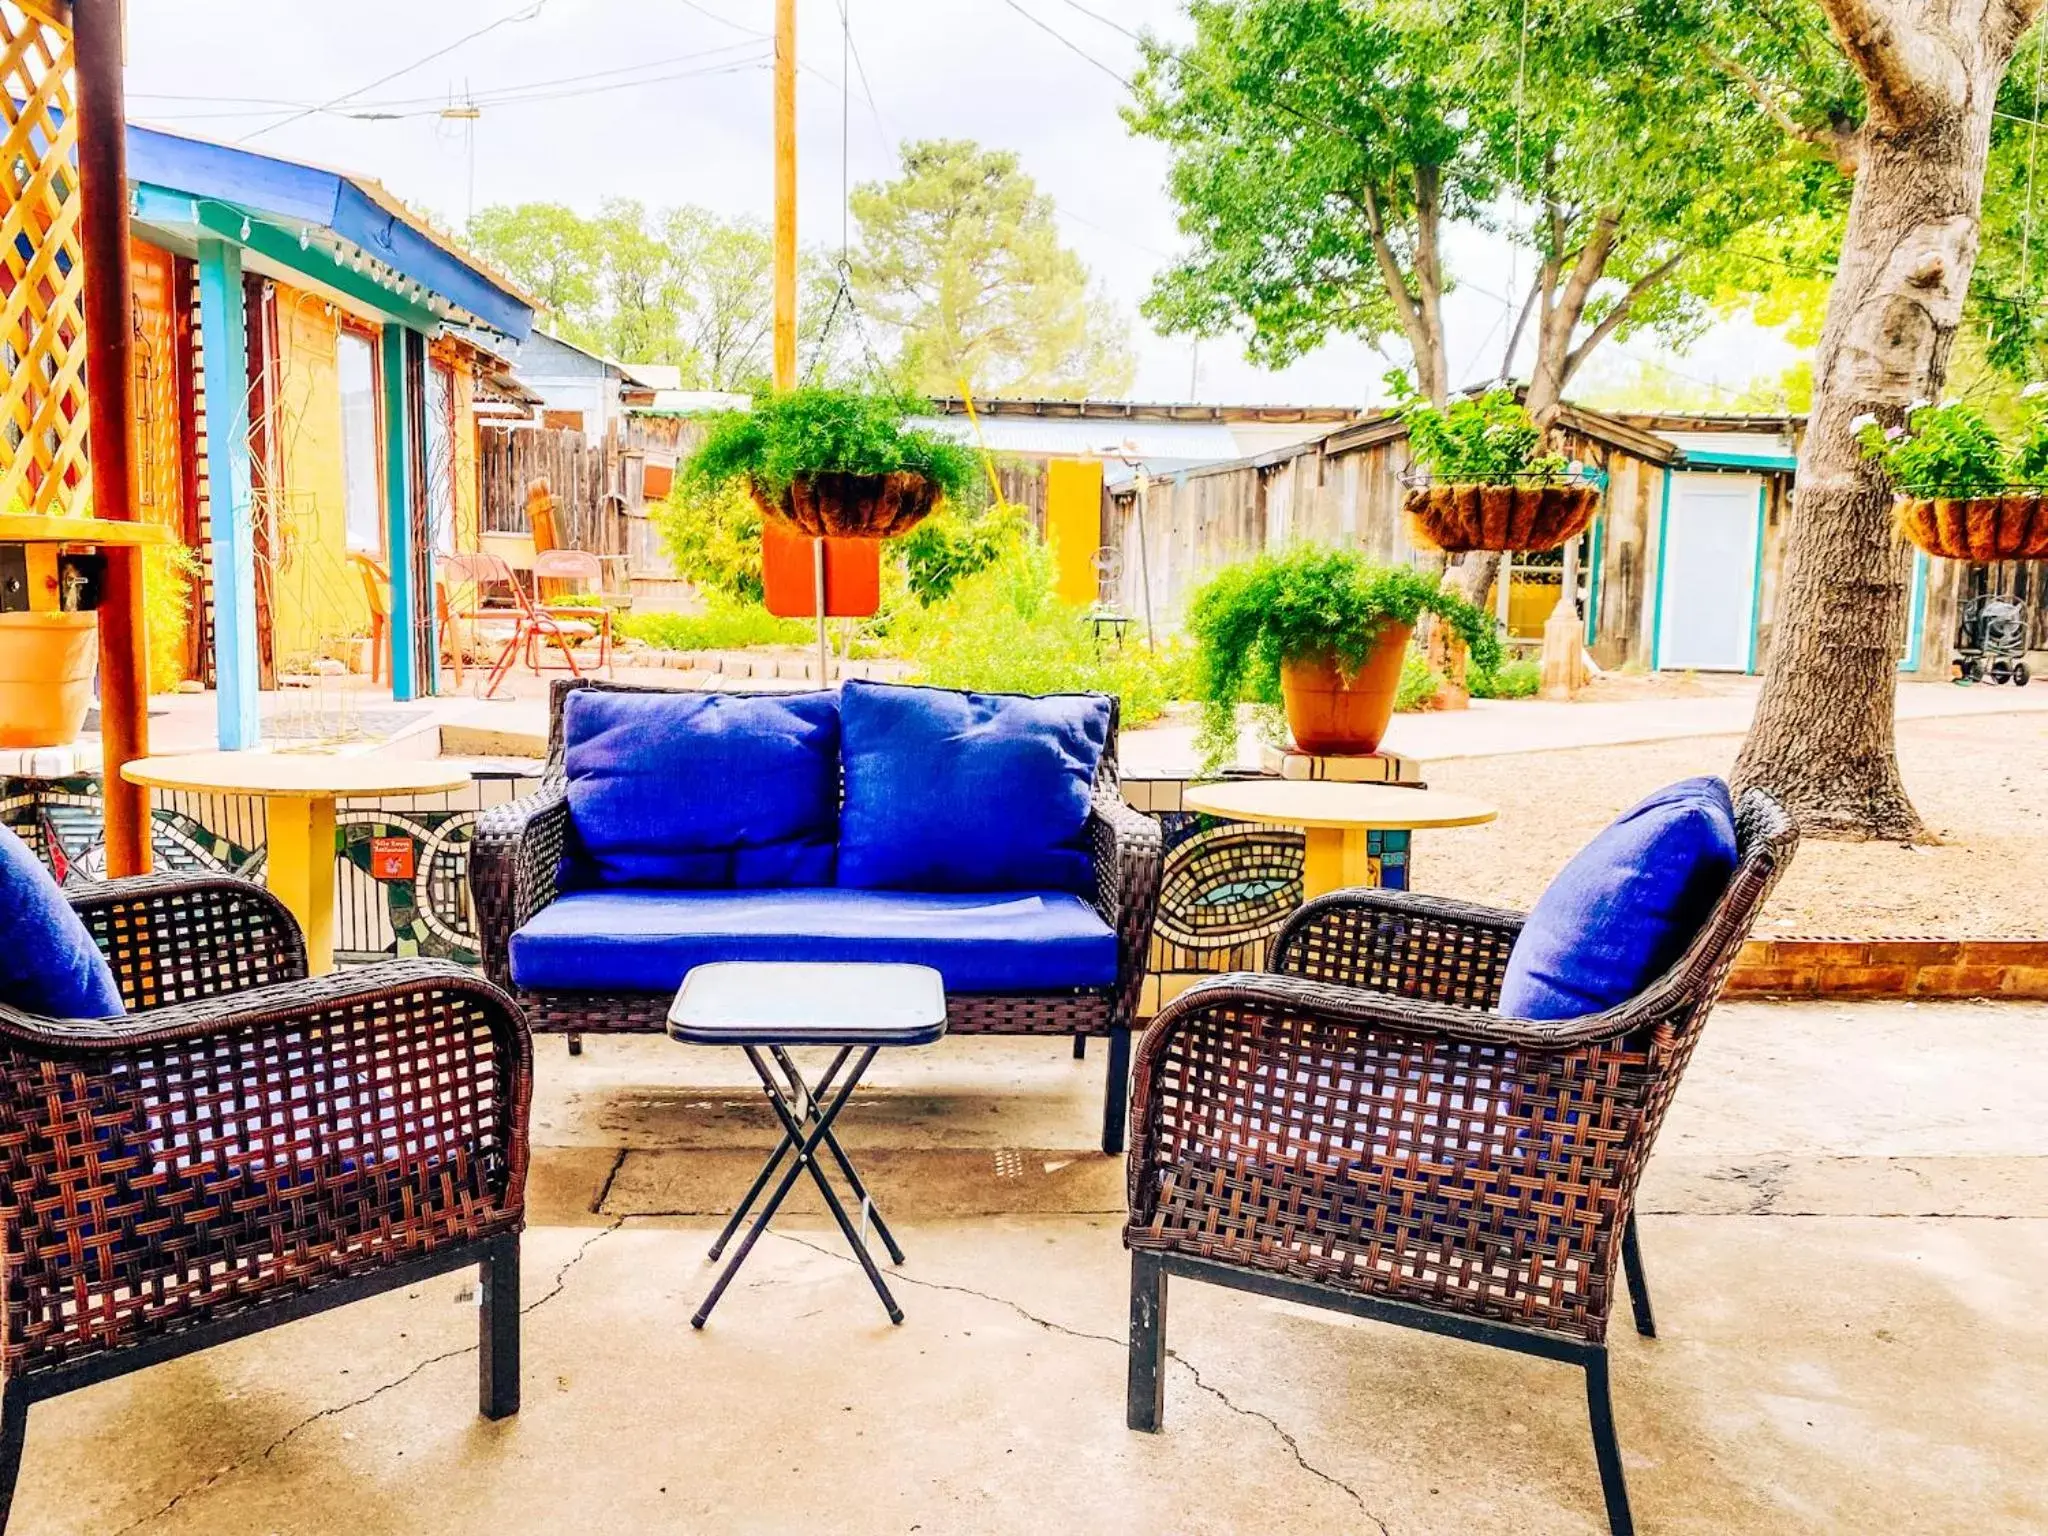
x,y
1892,967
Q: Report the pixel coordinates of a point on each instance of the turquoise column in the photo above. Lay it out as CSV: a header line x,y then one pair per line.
x,y
230,492
398,540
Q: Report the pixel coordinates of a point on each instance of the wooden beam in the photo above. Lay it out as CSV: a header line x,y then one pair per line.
x,y
85,532
398,550
110,407
231,494
785,194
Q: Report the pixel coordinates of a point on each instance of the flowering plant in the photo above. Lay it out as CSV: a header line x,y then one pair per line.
x,y
1950,450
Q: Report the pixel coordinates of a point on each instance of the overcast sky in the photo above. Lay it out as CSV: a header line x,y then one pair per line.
x,y
669,101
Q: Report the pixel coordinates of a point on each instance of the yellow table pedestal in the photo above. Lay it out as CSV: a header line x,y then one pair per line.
x,y
1335,858
299,869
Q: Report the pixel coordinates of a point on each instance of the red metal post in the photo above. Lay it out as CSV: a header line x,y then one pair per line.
x,y
97,47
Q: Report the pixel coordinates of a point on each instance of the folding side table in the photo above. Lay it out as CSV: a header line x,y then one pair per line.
x,y
771,1006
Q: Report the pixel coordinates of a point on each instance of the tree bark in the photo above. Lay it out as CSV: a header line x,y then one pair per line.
x,y
1824,736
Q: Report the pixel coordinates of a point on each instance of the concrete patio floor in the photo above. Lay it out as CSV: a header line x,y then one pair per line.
x,y
1846,1226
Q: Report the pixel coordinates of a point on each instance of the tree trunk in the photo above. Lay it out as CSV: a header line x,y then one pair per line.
x,y
1823,740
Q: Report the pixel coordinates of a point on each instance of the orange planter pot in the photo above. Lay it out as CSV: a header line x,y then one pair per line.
x,y
46,666
1334,714
1461,518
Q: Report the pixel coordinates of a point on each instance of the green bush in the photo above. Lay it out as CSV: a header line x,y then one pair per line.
x,y
1941,450
814,431
948,547
1481,440
1004,630
1517,679
713,537
1419,683
725,625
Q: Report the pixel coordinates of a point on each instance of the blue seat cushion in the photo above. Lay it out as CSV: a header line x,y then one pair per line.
x,y
1625,908
49,964
705,790
645,941
950,791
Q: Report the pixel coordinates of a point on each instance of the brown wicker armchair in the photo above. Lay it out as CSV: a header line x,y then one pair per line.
x,y
1358,1130
247,1146
516,860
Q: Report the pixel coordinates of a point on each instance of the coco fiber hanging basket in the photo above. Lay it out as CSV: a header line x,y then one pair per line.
x,y
844,506
1524,515
2009,526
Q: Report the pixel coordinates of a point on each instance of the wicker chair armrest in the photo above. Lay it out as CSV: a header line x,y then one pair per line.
x,y
515,865
1412,946
1242,1013
173,938
207,1154
1130,860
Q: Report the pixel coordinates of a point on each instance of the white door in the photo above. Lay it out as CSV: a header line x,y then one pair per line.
x,y
1707,573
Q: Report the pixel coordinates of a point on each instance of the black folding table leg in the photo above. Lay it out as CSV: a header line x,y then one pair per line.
x,y
860,1190
805,1154
810,1098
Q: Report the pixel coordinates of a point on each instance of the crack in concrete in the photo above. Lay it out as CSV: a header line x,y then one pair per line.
x,y
335,1410
1286,1439
604,1190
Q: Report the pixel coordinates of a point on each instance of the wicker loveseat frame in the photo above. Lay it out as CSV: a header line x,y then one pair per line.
x,y
516,862
1358,1130
247,1146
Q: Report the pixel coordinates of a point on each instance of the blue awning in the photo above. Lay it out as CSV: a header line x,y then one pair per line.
x,y
305,197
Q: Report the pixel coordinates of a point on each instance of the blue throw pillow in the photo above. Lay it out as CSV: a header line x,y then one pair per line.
x,y
703,790
1622,911
49,964
951,791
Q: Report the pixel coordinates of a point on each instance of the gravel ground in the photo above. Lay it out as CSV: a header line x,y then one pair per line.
x,y
1980,783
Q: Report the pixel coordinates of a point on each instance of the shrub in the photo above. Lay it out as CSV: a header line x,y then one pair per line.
x,y
168,571
1419,683
814,431
945,549
1942,450
1515,679
1480,440
713,537
725,625
1004,630
1249,619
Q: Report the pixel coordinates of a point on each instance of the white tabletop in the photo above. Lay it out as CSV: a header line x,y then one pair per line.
x,y
795,997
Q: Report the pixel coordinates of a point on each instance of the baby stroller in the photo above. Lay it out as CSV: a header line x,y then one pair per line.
x,y
1994,642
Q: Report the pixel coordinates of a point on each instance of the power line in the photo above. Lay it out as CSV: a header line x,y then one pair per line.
x,y
726,21
528,14
1067,43
1114,26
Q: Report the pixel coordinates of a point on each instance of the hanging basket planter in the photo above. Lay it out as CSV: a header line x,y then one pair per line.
x,y
1523,515
2010,526
843,506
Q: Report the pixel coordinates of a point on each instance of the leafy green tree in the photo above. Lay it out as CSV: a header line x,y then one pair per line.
x,y
960,258
1321,148
551,252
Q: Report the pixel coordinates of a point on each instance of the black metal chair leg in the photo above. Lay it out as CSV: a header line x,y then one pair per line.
x,y
575,1043
1145,1398
13,1432
1607,1448
1638,1284
498,1331
1116,1100
1080,1047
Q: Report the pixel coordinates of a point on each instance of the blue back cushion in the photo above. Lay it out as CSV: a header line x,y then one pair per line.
x,y
703,790
1625,908
951,791
49,963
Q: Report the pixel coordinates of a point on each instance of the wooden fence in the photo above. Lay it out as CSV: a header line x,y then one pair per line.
x,y
587,480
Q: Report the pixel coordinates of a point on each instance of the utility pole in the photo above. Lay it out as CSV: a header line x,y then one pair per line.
x,y
785,194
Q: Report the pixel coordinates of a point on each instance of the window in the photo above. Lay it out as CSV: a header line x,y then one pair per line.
x,y
355,361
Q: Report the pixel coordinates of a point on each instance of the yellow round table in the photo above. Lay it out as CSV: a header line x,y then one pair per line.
x,y
299,790
1335,818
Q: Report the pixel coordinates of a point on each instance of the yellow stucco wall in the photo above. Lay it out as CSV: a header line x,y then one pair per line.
x,y
319,597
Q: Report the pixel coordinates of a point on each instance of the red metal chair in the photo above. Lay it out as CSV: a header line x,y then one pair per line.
x,y
497,606
582,573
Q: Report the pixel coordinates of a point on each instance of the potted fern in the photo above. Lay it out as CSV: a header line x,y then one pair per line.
x,y
1317,636
1961,495
835,463
1478,482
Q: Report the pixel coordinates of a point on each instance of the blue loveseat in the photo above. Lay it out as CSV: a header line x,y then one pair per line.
x,y
981,834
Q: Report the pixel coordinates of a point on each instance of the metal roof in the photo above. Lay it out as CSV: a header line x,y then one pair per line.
x,y
1113,440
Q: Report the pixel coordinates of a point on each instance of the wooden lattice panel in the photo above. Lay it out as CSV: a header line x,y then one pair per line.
x,y
43,462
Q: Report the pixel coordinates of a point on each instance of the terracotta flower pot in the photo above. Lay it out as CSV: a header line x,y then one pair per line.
x,y
843,506
1335,714
1977,527
1538,515
46,666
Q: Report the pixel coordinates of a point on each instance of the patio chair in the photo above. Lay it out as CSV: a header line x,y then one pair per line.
x,y
236,1146
377,596
583,573
1359,1129
500,613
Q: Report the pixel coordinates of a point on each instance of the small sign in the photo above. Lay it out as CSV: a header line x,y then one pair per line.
x,y
391,858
